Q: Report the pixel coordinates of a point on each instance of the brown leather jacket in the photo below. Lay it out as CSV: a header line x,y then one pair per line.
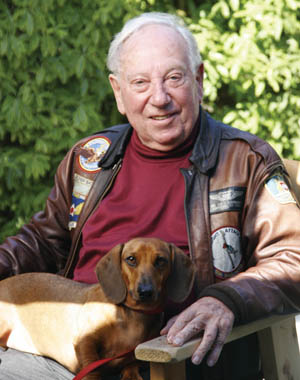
x,y
244,231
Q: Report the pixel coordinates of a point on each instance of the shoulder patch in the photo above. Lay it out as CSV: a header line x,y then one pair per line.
x,y
91,153
228,199
279,190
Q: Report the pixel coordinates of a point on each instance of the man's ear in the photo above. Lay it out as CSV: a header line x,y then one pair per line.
x,y
199,79
108,271
114,82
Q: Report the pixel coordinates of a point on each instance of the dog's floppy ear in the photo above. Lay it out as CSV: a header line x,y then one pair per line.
x,y
109,275
181,279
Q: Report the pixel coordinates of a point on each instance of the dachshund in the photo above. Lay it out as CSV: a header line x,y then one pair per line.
x,y
77,324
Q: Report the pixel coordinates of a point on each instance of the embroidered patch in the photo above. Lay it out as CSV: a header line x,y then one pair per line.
x,y
75,210
229,199
81,189
82,185
92,152
279,190
226,249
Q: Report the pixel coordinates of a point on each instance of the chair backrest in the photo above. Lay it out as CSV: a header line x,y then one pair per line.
x,y
293,168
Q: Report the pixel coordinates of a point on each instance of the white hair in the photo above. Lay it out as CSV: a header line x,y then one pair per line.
x,y
133,25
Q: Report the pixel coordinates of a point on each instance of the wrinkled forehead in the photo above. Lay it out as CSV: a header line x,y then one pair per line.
x,y
154,37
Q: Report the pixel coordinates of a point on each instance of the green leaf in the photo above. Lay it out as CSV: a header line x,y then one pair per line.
x,y
80,66
26,94
259,88
3,45
80,117
230,117
40,75
29,24
235,4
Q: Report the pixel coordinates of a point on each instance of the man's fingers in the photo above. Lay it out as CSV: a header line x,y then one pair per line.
x,y
217,347
207,316
208,340
184,331
179,332
215,352
169,324
212,343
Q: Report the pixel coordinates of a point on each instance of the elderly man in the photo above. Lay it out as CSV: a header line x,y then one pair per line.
x,y
173,172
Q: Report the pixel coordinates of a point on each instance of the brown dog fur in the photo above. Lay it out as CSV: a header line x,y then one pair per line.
x,y
76,324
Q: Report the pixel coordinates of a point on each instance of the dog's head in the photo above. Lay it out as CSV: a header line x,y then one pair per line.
x,y
143,272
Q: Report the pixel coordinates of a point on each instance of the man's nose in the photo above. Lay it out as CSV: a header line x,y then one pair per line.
x,y
159,96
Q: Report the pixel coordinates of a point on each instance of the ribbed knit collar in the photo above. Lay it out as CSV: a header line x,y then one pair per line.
x,y
179,152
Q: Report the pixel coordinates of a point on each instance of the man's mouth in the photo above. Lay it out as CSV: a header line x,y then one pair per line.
x,y
164,117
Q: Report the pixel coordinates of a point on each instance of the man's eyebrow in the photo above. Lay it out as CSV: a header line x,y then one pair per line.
x,y
141,74
132,76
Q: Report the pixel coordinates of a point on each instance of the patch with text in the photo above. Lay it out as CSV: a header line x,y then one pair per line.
x,y
226,250
229,199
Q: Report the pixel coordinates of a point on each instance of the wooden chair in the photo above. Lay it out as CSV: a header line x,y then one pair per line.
x,y
277,337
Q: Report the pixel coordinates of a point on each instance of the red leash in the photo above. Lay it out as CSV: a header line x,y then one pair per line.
x,y
89,368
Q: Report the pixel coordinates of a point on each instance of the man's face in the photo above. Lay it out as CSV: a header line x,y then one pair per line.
x,y
156,88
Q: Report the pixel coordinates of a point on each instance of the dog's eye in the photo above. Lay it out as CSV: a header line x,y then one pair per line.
x,y
160,262
130,260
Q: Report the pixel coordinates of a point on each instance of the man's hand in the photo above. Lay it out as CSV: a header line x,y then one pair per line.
x,y
207,315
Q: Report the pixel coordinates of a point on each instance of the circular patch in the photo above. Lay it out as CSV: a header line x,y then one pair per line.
x,y
92,152
226,249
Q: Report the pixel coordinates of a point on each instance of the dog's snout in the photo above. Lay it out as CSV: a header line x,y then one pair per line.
x,y
145,291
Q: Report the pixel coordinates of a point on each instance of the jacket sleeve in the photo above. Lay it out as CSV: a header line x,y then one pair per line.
x,y
43,244
271,244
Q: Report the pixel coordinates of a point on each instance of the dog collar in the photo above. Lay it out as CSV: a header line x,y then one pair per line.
x,y
157,310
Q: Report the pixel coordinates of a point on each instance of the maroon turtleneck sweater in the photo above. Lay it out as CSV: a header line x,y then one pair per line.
x,y
147,200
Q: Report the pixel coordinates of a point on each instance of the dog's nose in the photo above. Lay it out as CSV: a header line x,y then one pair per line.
x,y
145,291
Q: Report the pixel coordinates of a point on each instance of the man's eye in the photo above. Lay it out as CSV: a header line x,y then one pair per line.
x,y
130,260
139,82
139,85
176,79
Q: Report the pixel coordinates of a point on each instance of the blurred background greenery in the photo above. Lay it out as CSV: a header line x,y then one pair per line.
x,y
54,88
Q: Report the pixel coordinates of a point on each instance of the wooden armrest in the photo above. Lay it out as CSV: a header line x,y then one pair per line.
x,y
278,345
158,350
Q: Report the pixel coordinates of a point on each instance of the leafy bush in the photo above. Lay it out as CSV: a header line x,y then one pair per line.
x,y
251,53
54,88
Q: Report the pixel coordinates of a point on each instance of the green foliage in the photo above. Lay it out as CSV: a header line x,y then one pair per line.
x,y
54,88
251,54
